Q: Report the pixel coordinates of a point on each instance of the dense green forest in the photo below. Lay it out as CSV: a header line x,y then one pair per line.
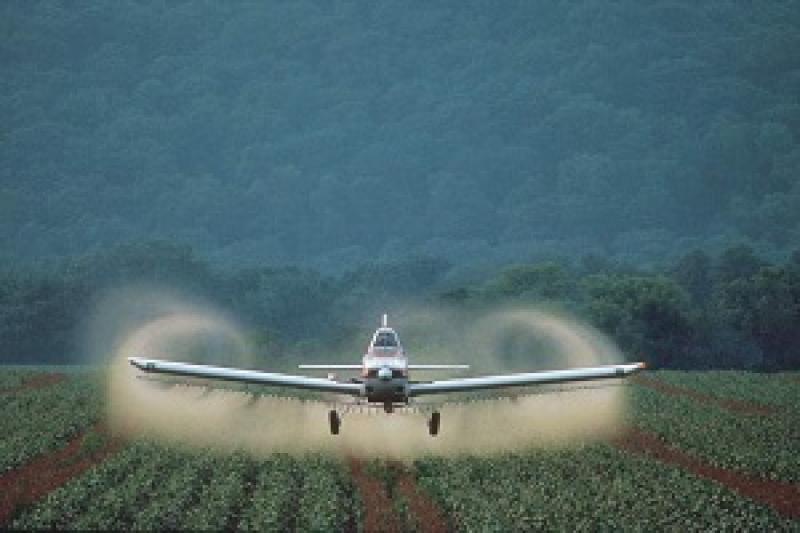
x,y
733,310
305,164
327,134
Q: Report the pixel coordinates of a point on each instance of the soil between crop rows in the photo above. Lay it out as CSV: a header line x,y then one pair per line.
x,y
736,406
36,382
427,514
784,498
378,511
31,482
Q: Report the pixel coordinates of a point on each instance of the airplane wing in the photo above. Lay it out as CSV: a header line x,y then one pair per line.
x,y
520,380
244,376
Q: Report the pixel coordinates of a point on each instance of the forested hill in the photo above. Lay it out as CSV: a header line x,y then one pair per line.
x,y
327,133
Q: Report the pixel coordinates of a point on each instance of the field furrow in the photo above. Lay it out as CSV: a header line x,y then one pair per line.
x,y
28,484
729,404
764,446
692,463
784,498
38,421
379,513
34,381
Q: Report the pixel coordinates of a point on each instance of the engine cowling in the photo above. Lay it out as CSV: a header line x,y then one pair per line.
x,y
385,373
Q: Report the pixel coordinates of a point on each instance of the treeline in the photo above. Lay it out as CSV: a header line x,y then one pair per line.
x,y
734,310
331,134
44,307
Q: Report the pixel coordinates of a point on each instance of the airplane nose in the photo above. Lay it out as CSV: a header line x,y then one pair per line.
x,y
385,373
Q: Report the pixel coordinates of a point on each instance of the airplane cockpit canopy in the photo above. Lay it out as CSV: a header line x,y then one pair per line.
x,y
386,339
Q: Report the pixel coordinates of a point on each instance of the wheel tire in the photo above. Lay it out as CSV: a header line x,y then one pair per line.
x,y
334,421
433,423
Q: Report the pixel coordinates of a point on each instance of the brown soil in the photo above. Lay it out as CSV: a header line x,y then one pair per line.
x,y
36,382
31,482
379,513
736,406
428,516
782,497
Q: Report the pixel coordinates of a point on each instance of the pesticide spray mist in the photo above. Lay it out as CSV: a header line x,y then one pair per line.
x,y
147,323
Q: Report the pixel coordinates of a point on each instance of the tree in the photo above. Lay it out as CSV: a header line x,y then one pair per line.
x,y
736,262
543,281
766,306
693,273
648,316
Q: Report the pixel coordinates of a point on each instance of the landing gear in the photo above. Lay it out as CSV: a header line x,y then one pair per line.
x,y
388,407
334,420
433,423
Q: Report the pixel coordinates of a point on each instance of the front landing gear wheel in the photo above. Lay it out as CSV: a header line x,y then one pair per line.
x,y
433,423
335,421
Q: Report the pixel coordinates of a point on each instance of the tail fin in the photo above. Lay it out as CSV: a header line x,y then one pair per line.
x,y
385,320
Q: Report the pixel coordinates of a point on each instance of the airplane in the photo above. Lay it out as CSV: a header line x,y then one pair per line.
x,y
384,377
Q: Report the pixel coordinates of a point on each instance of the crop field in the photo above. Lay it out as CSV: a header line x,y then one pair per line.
x,y
701,450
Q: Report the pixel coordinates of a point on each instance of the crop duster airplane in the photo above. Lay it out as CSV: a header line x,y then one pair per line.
x,y
384,379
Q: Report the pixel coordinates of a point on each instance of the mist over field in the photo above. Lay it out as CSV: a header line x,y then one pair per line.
x,y
152,324
306,166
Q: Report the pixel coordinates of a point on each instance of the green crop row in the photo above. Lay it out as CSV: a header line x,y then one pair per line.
x,y
591,488
40,420
149,486
779,390
152,487
166,507
274,497
63,507
11,378
326,501
763,445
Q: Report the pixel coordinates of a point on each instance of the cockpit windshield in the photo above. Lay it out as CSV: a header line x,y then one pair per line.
x,y
386,339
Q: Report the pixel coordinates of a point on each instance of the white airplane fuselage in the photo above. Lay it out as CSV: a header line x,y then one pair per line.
x,y
385,369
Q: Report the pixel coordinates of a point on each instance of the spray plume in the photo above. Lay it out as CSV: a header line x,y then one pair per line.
x,y
148,323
